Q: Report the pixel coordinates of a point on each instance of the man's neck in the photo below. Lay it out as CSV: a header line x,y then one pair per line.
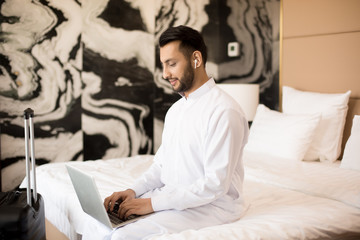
x,y
200,78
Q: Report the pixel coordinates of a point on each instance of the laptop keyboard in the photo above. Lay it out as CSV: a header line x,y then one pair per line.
x,y
116,220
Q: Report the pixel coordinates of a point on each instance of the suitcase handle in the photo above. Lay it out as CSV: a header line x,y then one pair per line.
x,y
29,137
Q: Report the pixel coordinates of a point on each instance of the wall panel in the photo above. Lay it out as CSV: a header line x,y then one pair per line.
x,y
324,61
319,17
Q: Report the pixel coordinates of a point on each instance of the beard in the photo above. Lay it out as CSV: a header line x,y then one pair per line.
x,y
186,81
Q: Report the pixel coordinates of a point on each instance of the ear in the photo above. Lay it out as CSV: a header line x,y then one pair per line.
x,y
197,58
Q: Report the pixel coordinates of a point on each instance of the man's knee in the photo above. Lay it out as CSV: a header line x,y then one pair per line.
x,y
138,230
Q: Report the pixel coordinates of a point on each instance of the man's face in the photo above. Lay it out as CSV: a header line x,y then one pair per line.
x,y
176,68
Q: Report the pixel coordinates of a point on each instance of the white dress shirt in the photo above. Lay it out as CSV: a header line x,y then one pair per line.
x,y
200,159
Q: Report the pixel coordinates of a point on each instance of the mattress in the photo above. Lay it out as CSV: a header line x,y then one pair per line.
x,y
285,199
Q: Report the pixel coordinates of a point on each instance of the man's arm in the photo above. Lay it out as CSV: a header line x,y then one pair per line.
x,y
151,179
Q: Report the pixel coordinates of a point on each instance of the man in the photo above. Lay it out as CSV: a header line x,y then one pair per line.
x,y
197,174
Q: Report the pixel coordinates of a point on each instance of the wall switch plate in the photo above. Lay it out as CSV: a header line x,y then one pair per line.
x,y
233,49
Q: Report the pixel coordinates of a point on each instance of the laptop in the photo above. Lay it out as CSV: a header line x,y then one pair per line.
x,y
91,201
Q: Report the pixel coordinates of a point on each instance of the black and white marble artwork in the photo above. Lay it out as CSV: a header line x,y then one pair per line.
x,y
90,70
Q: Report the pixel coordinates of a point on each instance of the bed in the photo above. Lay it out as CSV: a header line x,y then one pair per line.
x,y
307,200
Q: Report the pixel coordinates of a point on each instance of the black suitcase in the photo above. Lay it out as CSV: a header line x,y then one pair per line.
x,y
22,214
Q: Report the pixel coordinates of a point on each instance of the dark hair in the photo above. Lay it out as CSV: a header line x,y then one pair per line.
x,y
191,40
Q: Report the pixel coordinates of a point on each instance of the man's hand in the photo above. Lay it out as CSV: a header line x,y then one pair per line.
x,y
128,204
118,197
139,206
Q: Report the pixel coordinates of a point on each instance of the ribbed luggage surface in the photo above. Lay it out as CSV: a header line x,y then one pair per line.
x,y
18,220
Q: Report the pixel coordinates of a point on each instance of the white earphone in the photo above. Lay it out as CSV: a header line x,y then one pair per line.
x,y
195,63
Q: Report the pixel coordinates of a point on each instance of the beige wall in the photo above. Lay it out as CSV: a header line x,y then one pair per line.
x,y
321,48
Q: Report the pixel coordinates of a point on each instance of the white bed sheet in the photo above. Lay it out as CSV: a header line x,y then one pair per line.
x,y
323,179
286,200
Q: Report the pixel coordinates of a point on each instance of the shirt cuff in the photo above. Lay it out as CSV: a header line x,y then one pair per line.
x,y
160,202
139,188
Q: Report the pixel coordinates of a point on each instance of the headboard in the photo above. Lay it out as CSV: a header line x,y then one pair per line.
x,y
320,49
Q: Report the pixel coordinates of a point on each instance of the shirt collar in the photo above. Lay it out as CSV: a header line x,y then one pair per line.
x,y
201,90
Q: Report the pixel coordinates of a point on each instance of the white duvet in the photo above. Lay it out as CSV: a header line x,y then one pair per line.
x,y
287,200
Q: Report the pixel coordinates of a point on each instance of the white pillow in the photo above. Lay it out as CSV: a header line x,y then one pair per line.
x,y
351,158
326,144
283,135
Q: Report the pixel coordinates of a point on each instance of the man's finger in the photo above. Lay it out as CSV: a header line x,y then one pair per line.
x,y
106,203
128,213
122,210
109,201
